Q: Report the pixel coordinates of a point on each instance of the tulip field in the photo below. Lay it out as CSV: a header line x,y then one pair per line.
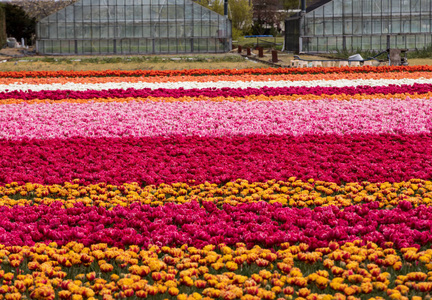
x,y
311,183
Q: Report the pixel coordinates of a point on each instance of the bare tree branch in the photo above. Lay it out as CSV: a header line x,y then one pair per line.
x,y
40,9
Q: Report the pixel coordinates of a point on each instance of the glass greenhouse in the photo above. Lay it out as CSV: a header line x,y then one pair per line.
x,y
355,25
133,27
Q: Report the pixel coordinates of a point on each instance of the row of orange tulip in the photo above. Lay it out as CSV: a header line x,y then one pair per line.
x,y
211,78
294,97
215,72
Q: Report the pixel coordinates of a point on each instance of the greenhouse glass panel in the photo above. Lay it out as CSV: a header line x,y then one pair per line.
x,y
367,7
322,43
375,42
356,43
337,27
348,43
145,13
347,7
205,30
163,12
357,27
376,26
395,6
200,44
43,30
188,30
163,30
400,42
134,46
61,16
147,31
188,11
376,7
385,26
405,6
70,31
133,26
348,27
103,14
138,31
357,8
328,27
410,42
366,42
173,45
86,13
415,6
319,28
427,40
129,12
120,12
313,46
129,28
61,32
425,25
309,28
337,8
52,18
88,46
406,26
180,13
396,26
425,6
172,12
95,13
332,44
420,41
364,24
415,25
112,15
367,26
69,12
328,9
385,7
53,32
319,12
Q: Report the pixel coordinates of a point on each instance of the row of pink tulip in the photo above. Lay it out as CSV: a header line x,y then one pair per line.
x,y
213,119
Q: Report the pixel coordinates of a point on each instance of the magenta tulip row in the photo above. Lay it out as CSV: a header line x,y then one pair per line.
x,y
154,160
213,92
254,224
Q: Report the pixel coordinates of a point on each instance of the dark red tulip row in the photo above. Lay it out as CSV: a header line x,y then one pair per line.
x,y
154,160
254,224
213,92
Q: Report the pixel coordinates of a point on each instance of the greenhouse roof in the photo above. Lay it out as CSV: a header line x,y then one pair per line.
x,y
314,4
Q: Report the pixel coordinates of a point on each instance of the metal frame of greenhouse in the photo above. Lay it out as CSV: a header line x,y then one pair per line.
x,y
360,25
133,27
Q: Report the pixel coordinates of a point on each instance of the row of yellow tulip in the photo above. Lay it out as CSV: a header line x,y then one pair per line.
x,y
294,193
342,271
